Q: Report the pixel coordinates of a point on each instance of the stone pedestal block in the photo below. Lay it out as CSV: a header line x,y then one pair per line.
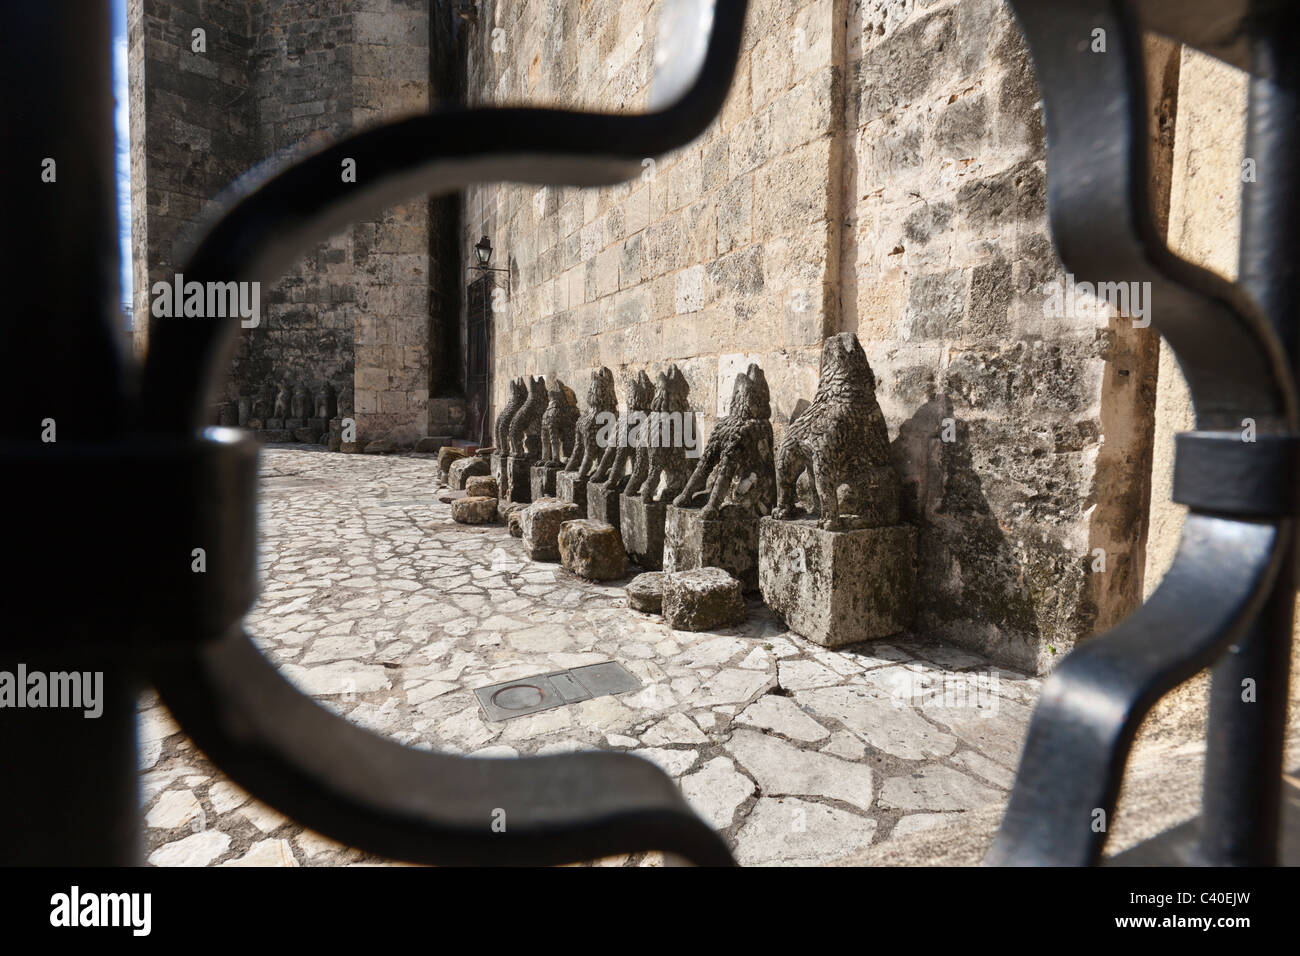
x,y
702,599
512,513
474,510
542,481
484,486
569,487
592,550
645,592
541,526
462,470
730,543
642,524
519,480
602,501
318,425
498,471
838,587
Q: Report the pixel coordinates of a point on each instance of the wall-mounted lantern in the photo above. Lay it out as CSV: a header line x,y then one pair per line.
x,y
483,256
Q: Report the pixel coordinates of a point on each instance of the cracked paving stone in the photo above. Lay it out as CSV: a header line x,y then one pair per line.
x,y
937,788
783,716
266,853
782,768
174,808
801,675
890,727
793,832
732,686
676,729
717,790
199,849
673,762
918,822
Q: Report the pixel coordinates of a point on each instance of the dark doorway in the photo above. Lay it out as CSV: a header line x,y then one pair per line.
x,y
477,356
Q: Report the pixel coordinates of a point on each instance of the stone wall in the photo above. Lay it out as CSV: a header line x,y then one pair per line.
x,y
285,78
718,255
878,168
191,129
947,254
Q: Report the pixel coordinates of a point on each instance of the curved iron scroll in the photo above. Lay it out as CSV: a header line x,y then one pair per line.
x,y
285,749
1237,366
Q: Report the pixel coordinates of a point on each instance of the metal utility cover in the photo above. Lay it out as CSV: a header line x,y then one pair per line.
x,y
569,688
528,695
518,698
607,678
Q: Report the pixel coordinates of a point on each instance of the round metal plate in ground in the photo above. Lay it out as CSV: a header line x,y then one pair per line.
x,y
518,697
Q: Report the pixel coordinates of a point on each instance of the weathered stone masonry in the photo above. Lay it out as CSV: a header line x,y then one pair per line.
x,y
878,168
280,76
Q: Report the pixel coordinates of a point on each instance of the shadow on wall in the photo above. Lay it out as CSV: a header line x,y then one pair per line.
x,y
976,587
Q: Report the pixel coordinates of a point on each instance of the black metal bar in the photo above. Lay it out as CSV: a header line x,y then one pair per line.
x,y
1248,700
1235,557
70,796
69,790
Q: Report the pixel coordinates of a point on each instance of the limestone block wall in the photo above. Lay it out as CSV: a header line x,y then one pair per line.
x,y
719,255
300,95
878,168
285,78
191,129
947,256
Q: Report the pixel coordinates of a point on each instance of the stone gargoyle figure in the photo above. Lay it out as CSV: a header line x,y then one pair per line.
x,y
640,392
526,426
518,393
842,442
326,401
283,401
602,405
558,423
738,457
663,447
301,403
264,403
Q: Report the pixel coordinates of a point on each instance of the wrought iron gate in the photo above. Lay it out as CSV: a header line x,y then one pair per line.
x,y
150,484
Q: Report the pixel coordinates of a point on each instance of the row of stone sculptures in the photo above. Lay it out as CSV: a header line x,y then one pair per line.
x,y
290,411
813,523
542,425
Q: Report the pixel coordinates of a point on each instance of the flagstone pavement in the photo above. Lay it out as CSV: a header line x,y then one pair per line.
x,y
380,607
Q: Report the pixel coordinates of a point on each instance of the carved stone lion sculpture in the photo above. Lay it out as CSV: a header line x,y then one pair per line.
x,y
558,423
264,403
526,426
514,401
663,447
326,401
301,402
602,404
843,443
640,391
738,459
283,401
